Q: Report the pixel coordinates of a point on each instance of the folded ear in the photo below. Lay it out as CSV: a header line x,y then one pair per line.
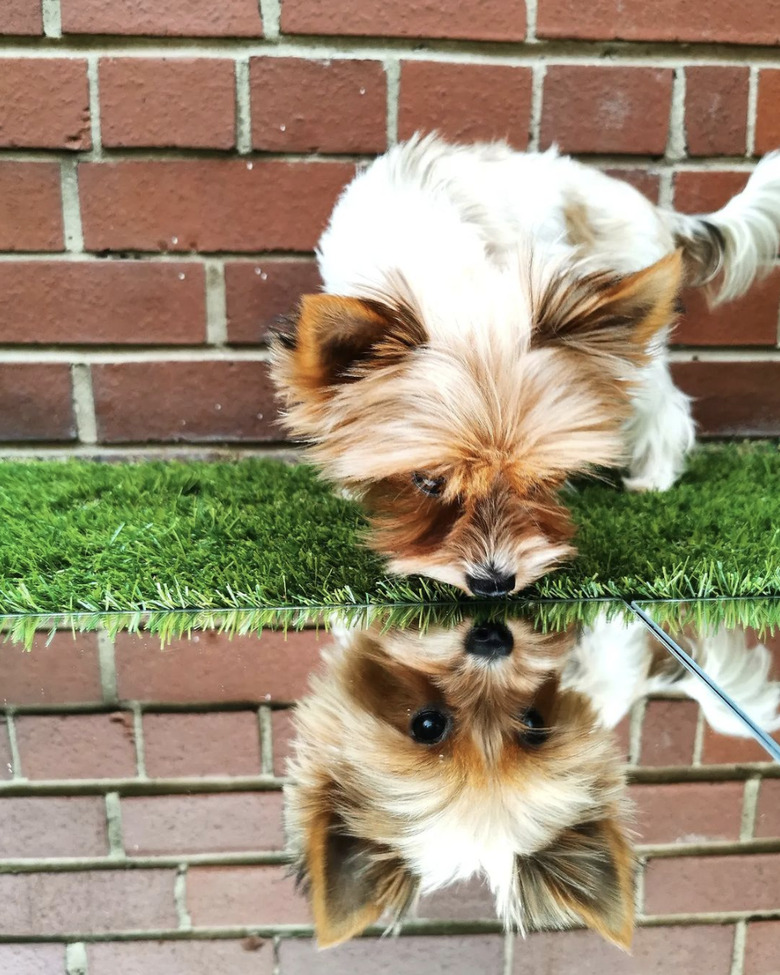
x,y
588,876
602,313
352,881
333,340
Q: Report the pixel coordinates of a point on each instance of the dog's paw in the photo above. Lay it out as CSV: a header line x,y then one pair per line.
x,y
643,483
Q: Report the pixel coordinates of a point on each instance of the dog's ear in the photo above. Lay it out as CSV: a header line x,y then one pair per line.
x,y
351,880
333,340
602,313
587,875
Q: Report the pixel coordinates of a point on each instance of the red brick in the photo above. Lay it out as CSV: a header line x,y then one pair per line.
x,y
64,670
648,184
726,750
6,761
707,191
695,949
226,743
167,102
484,20
716,104
762,948
606,109
85,902
36,402
57,826
464,901
30,207
664,20
259,292
768,811
210,667
282,738
669,732
323,106
244,895
465,102
44,103
193,401
690,812
750,320
180,18
209,204
767,121
457,954
32,959
693,885
116,302
733,398
21,17
230,823
76,746
238,957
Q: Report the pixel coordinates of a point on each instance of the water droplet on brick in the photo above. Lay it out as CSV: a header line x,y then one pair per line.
x,y
182,275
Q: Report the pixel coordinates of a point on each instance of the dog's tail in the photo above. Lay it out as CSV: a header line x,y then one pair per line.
x,y
740,240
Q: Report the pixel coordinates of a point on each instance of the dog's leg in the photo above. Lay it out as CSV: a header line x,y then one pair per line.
x,y
660,432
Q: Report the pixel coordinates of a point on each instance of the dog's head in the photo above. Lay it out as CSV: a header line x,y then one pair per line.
x,y
457,408
421,760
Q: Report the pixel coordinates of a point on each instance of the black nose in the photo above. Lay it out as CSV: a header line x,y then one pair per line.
x,y
489,640
491,583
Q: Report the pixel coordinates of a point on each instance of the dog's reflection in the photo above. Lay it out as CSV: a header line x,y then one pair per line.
x,y
481,749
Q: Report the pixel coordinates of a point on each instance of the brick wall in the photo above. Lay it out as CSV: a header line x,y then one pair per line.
x,y
165,170
140,828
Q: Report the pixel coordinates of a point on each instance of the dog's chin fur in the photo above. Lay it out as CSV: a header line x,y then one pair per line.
x,y
495,323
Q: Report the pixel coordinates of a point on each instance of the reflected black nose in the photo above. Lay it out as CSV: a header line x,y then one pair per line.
x,y
491,583
489,640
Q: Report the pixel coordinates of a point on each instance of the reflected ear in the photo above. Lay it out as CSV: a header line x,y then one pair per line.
x,y
587,876
609,315
352,881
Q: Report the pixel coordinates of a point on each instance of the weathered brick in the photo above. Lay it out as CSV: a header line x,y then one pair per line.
x,y
244,895
302,105
182,18
484,20
21,17
606,109
457,954
716,105
465,102
44,103
186,102
664,20
669,732
85,902
762,948
30,207
733,398
464,901
55,826
689,812
767,121
208,204
648,184
693,885
727,750
236,957
210,667
36,402
237,822
194,401
32,959
694,949
707,191
257,293
282,739
218,743
76,746
63,670
768,810
116,302
750,320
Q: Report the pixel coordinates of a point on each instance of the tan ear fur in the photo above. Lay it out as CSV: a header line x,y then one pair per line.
x,y
586,875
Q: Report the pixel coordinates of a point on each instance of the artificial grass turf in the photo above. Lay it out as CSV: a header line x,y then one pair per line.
x,y
167,535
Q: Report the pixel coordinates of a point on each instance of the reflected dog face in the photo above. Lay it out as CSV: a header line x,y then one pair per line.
x,y
421,760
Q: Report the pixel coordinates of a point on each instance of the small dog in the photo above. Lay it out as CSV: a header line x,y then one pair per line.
x,y
486,749
493,323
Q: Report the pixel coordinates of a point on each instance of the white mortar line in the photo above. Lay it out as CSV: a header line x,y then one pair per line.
x,y
94,108
676,143
216,304
636,721
265,729
243,108
180,899
83,402
76,958
531,14
71,210
509,952
752,110
666,188
16,761
270,11
749,808
107,667
138,738
52,20
191,451
725,355
116,847
698,740
393,76
161,257
537,96
160,354
738,955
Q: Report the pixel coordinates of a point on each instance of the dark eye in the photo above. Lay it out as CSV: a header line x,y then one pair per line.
x,y
430,726
534,731
432,486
